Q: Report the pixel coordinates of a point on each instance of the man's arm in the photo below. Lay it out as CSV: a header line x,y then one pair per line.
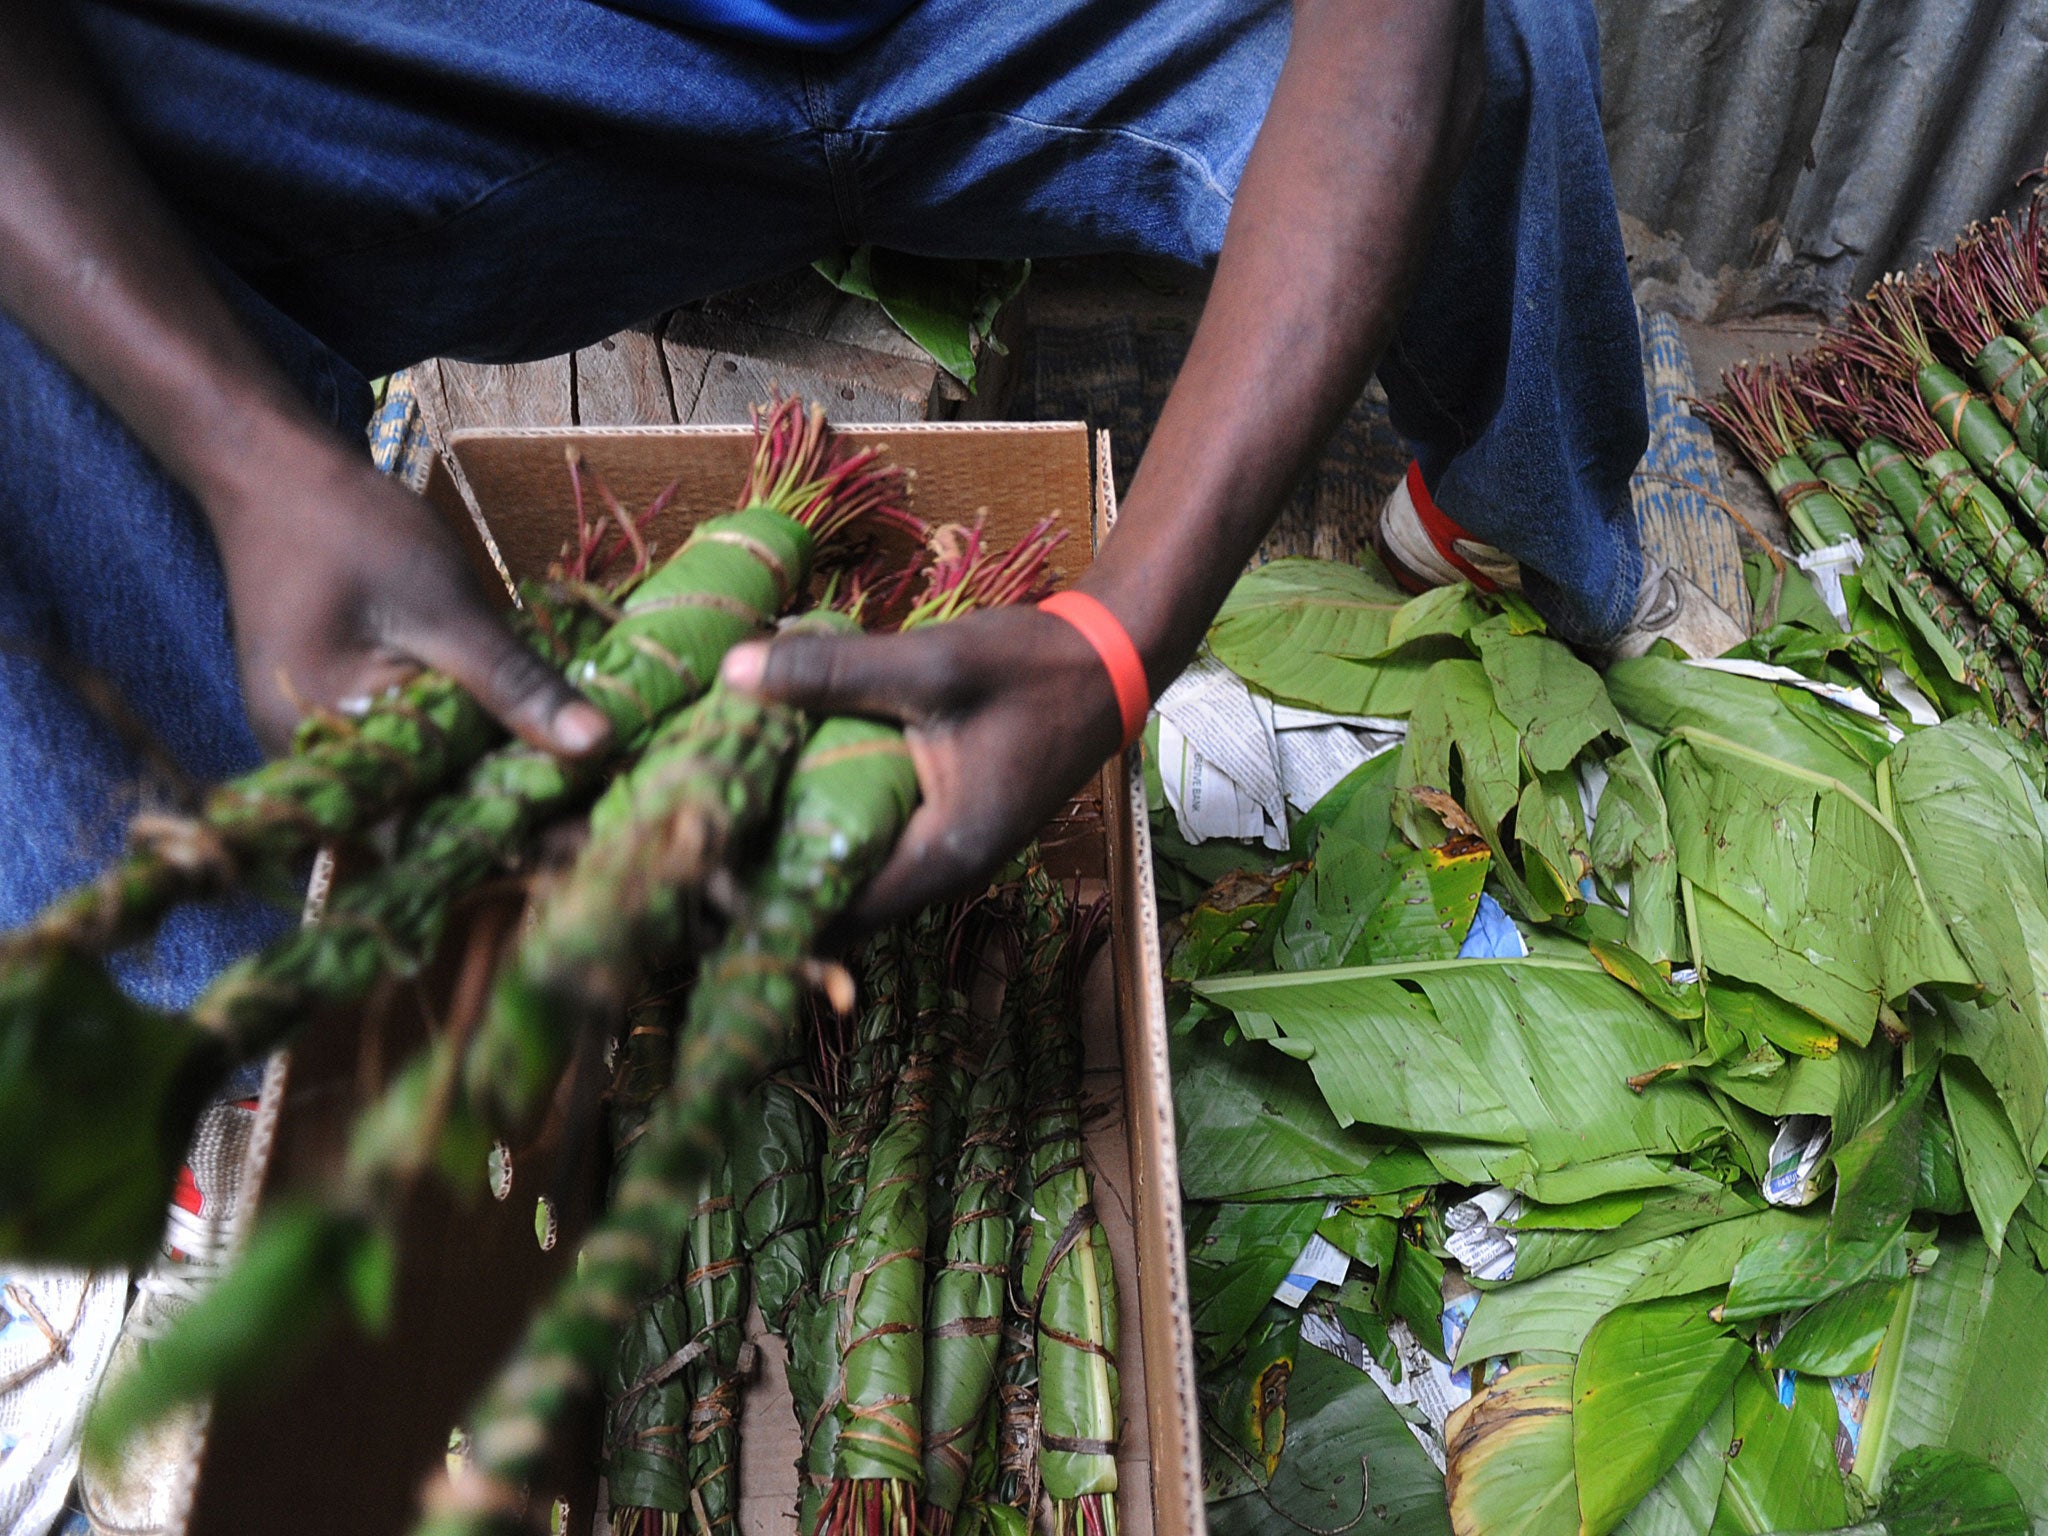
x,y
1008,712
338,579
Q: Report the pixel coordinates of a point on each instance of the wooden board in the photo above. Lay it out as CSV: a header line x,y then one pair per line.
x,y
622,381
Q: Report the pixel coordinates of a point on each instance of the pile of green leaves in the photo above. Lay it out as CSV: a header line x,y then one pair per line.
x,y
1743,903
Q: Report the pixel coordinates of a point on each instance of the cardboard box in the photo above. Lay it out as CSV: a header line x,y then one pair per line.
x,y
342,1443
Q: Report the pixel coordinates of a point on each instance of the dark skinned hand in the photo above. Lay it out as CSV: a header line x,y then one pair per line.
x,y
1006,713
342,583
339,580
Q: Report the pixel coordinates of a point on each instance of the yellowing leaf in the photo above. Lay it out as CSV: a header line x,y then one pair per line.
x,y
1508,1457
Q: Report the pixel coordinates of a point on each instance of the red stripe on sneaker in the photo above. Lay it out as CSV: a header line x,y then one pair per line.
x,y
1444,533
185,1194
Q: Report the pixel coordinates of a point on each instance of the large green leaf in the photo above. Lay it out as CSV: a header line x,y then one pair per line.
x,y
1554,1312
1632,845
1348,1456
1732,945
1711,1253
948,307
1554,699
1232,927
1361,905
1839,1336
1782,1473
1799,1267
1508,1457
1877,1171
1979,829
1316,632
1812,865
1996,1171
1666,695
1251,1123
1430,908
1648,1377
1550,826
1943,1493
1516,1071
1924,1362
1697,1203
1459,743
1877,1177
2003,1415
1237,1257
1684,1500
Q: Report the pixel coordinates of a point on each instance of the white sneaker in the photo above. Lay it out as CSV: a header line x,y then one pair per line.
x,y
57,1333
1672,607
1422,548
143,1495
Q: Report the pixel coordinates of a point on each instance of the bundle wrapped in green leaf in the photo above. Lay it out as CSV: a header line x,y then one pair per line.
x,y
847,800
1919,511
775,1157
716,1280
964,1310
1974,509
626,905
647,1395
342,777
861,1108
1068,1281
1768,423
1955,290
848,797
1885,536
2010,252
1888,335
877,1463
343,774
727,581
1017,1484
707,779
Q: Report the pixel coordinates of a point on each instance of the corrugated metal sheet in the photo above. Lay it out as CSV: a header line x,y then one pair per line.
x,y
1771,152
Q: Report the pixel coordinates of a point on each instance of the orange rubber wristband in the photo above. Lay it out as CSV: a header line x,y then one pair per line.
x,y
1112,645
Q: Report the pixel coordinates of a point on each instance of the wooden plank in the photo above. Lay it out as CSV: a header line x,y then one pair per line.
x,y
508,394
719,367
623,382
804,304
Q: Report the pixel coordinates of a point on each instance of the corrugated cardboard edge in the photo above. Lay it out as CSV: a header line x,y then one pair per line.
x,y
1171,1409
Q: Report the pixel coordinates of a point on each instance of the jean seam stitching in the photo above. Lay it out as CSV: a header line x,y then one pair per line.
x,y
1210,181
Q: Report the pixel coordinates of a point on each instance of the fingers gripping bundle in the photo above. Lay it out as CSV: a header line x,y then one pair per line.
x,y
718,841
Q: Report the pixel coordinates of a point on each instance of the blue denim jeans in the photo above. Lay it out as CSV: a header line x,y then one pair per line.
x,y
385,180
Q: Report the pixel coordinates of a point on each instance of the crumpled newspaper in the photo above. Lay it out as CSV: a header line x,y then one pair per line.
x,y
1233,761
1477,1234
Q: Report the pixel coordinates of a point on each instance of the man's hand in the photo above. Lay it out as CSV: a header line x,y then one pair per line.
x,y
341,582
338,579
1005,712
